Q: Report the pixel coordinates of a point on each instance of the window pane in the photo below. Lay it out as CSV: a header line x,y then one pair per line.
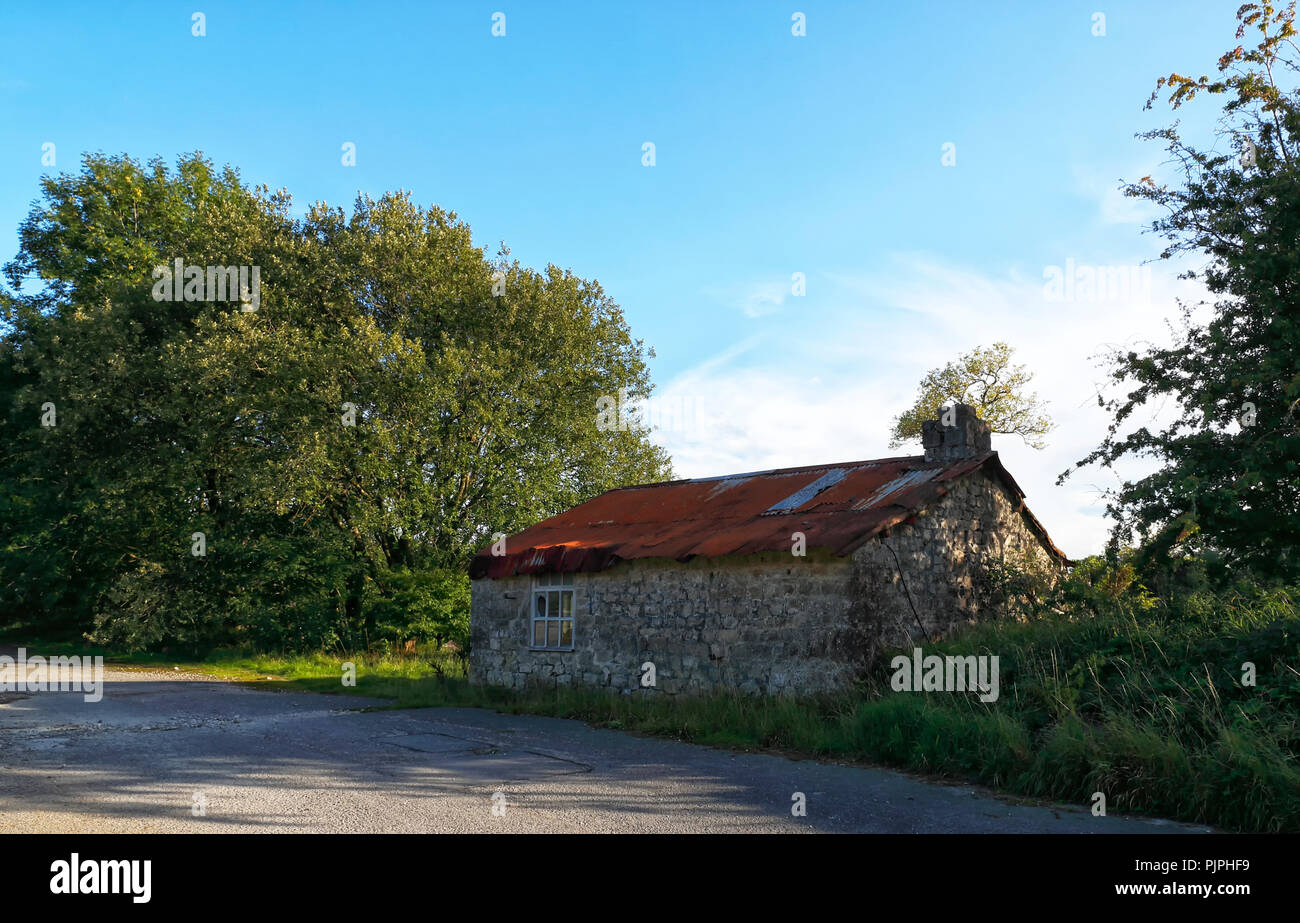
x,y
566,605
539,634
552,634
553,603
566,634
541,605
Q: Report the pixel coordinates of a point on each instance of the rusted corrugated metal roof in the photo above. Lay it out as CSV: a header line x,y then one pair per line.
x,y
837,508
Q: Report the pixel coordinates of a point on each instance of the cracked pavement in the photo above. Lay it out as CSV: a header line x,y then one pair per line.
x,y
258,759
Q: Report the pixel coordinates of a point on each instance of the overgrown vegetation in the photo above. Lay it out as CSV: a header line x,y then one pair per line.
x,y
1227,478
312,468
1105,687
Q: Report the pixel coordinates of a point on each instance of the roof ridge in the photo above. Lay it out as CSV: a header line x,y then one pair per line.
x,y
791,470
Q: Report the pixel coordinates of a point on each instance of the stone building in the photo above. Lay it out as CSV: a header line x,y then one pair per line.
x,y
783,581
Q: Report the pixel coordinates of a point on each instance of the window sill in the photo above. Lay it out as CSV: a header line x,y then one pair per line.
x,y
552,650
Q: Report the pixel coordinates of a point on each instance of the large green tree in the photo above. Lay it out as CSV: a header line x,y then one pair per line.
x,y
395,399
1227,477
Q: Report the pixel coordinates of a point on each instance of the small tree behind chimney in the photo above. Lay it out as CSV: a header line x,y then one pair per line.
x,y
966,436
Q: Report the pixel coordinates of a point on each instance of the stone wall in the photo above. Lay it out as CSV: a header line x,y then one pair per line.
x,y
928,578
771,623
758,623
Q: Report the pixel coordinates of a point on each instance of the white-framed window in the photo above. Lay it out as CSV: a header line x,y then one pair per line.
x,y
552,611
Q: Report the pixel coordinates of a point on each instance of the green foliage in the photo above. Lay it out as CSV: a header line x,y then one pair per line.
x,y
475,412
988,381
1094,586
431,604
1227,483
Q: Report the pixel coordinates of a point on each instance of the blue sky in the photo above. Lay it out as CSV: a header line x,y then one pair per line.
x,y
775,154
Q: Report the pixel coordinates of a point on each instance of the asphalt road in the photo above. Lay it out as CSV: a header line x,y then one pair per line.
x,y
160,746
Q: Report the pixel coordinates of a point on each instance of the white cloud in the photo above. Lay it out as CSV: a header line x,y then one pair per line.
x,y
1113,207
759,299
826,390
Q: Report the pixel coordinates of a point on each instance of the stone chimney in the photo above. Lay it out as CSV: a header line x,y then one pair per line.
x,y
966,437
